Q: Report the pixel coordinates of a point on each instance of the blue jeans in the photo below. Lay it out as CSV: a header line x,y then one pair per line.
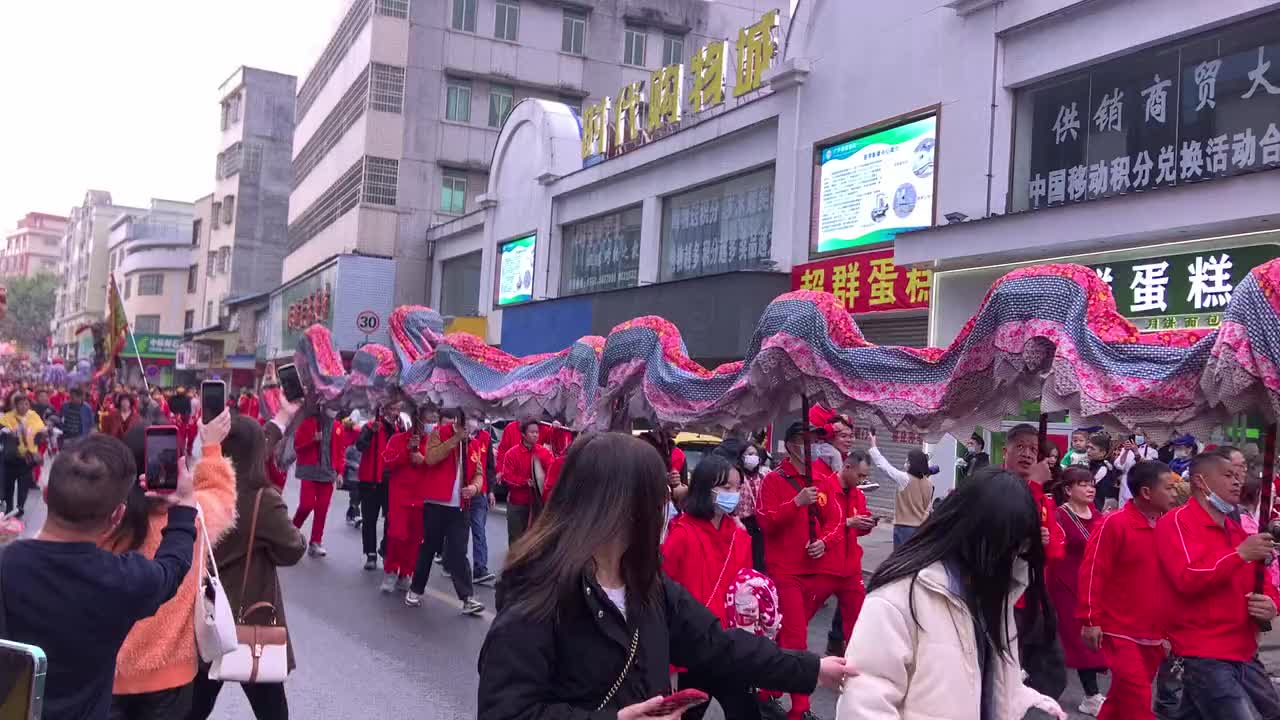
x,y
479,543
1222,690
902,533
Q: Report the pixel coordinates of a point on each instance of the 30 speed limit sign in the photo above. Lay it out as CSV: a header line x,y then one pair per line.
x,y
367,322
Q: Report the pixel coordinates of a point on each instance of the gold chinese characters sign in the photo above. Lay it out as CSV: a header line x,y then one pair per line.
x,y
642,110
866,282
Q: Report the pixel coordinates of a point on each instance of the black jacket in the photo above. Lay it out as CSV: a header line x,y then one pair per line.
x,y
562,670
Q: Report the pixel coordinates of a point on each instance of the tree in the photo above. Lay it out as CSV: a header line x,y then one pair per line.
x,y
30,311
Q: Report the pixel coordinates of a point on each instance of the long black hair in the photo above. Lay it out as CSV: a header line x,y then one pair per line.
x,y
246,447
711,473
612,486
978,532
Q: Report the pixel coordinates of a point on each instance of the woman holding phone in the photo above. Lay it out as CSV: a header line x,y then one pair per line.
x,y
158,661
587,621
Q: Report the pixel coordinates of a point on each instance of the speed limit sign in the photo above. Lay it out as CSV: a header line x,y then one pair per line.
x,y
367,322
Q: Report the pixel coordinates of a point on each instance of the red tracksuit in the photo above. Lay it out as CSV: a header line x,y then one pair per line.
x,y
405,490
803,582
313,495
851,592
1119,578
706,559
1208,580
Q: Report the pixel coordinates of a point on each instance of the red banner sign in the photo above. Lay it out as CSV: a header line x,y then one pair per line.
x,y
313,308
866,282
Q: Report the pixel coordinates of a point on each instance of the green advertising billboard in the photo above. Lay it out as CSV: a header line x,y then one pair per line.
x,y
515,270
1186,290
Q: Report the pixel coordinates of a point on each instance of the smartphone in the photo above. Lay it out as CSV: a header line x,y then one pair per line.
x,y
290,383
161,452
22,674
213,399
679,701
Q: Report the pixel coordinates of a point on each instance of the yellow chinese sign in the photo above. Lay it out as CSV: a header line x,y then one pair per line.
x,y
866,282
639,114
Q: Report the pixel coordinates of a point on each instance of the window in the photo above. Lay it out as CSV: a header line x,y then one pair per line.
x,y
633,47
672,49
460,285
216,216
719,228
210,263
464,15
573,37
333,203
188,320
235,108
458,101
150,284
380,180
193,277
196,226
146,324
224,260
128,287
208,313
344,114
111,262
229,209
453,193
601,254
226,113
229,161
393,8
501,98
506,20
388,88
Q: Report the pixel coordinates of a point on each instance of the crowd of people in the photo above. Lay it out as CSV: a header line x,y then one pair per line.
x,y
632,573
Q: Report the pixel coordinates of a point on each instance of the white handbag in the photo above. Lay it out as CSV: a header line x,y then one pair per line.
x,y
215,625
261,653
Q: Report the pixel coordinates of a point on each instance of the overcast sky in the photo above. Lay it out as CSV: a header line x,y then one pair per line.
x,y
122,95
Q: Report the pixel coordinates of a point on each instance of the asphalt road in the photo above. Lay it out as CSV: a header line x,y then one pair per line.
x,y
361,652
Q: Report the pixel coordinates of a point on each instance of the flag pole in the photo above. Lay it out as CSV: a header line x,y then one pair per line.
x,y
137,355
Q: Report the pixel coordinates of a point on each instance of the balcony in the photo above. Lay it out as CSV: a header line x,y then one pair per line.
x,y
155,259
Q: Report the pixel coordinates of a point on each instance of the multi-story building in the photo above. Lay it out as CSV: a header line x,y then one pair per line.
x,y
398,120
34,247
82,286
239,234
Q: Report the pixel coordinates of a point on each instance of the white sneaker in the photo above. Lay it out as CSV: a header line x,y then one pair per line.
x,y
472,606
1092,705
316,550
404,583
388,584
412,599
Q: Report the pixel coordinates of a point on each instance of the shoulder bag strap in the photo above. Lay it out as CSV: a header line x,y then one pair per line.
x,y
248,553
626,669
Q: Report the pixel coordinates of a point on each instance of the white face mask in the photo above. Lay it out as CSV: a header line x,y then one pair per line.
x,y
751,462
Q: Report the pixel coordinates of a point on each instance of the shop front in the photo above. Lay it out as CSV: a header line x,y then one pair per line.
x,y
151,357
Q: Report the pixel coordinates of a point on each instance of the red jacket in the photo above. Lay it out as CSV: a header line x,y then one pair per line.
x,y
1057,547
247,405
406,482
343,438
372,444
306,441
705,560
517,471
443,458
786,525
1119,575
1207,581
553,477
510,438
852,503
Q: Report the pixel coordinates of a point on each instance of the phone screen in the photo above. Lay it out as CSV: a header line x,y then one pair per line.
x,y
213,399
162,457
290,383
22,674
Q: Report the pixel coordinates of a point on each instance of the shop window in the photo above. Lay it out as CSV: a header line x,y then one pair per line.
x,y
602,253
1198,109
460,285
724,227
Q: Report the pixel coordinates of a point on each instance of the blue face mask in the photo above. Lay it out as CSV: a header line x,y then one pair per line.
x,y
727,501
1219,504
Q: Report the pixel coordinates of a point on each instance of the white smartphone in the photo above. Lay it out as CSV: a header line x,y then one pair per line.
x,y
22,674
